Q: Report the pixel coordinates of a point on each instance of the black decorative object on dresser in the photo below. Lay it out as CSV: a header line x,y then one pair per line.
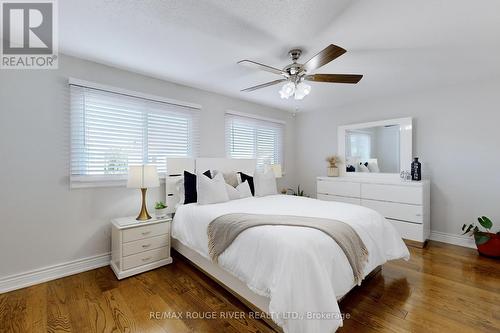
x,y
416,169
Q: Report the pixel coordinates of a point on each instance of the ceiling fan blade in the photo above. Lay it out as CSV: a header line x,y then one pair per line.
x,y
335,78
256,65
330,53
264,85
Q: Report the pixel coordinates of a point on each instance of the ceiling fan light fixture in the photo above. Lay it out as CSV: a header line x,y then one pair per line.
x,y
302,90
299,96
295,73
283,95
287,90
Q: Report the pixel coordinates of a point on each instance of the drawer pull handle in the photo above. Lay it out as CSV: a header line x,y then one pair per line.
x,y
146,246
146,233
419,214
146,259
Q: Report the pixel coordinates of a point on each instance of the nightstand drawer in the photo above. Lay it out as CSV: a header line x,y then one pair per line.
x,y
146,257
137,233
146,244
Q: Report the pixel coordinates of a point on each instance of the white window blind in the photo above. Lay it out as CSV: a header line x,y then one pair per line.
x,y
248,137
358,144
111,130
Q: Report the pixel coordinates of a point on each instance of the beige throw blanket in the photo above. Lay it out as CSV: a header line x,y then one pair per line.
x,y
223,231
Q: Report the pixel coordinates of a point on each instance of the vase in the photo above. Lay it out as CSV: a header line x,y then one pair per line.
x,y
161,213
332,172
491,248
416,170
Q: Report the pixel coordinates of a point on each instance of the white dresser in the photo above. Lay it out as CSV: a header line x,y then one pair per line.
x,y
139,246
405,204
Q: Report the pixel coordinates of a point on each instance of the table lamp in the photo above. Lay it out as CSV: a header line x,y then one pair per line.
x,y
143,177
277,170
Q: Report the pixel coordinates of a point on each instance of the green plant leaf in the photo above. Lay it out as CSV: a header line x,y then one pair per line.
x,y
160,205
469,228
485,222
481,238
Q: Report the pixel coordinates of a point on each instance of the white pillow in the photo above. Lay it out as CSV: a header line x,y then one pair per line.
x,y
373,166
362,168
232,192
179,185
231,178
264,183
211,190
244,190
238,176
241,191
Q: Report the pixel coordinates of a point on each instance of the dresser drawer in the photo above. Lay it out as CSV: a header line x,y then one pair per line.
x,y
145,244
346,189
147,231
327,197
146,257
394,193
410,231
396,210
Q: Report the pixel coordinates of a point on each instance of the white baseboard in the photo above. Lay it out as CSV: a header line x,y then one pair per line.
x,y
53,272
454,239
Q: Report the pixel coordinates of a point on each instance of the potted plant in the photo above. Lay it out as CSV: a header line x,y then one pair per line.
x,y
332,170
487,243
160,209
298,193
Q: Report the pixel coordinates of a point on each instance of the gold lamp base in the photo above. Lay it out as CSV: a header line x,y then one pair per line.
x,y
143,215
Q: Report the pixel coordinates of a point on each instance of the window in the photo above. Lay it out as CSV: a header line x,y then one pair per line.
x,y
112,130
248,137
358,144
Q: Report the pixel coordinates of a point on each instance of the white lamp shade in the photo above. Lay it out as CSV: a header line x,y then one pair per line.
x,y
277,170
142,176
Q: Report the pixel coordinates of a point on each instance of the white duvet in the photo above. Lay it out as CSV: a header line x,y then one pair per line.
x,y
302,270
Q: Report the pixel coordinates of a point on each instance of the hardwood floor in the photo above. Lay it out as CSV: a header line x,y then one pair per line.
x,y
443,288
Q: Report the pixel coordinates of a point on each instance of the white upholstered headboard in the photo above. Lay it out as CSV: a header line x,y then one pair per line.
x,y
176,167
225,165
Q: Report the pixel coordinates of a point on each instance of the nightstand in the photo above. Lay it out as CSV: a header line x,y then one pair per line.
x,y
139,246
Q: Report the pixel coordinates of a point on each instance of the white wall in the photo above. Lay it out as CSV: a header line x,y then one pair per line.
x,y
42,221
456,135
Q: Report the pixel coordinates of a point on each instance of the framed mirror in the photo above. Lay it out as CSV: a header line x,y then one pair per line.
x,y
375,149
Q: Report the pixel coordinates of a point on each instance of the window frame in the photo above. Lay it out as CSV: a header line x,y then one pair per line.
x,y
252,117
89,181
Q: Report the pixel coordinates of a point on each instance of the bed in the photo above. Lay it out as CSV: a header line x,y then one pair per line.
x,y
295,275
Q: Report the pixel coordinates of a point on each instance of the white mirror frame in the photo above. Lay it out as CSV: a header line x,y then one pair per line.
x,y
405,146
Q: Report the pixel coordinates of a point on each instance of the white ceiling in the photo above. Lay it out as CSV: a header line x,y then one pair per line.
x,y
399,45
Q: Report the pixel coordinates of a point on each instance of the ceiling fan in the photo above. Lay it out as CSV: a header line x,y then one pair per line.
x,y
295,74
